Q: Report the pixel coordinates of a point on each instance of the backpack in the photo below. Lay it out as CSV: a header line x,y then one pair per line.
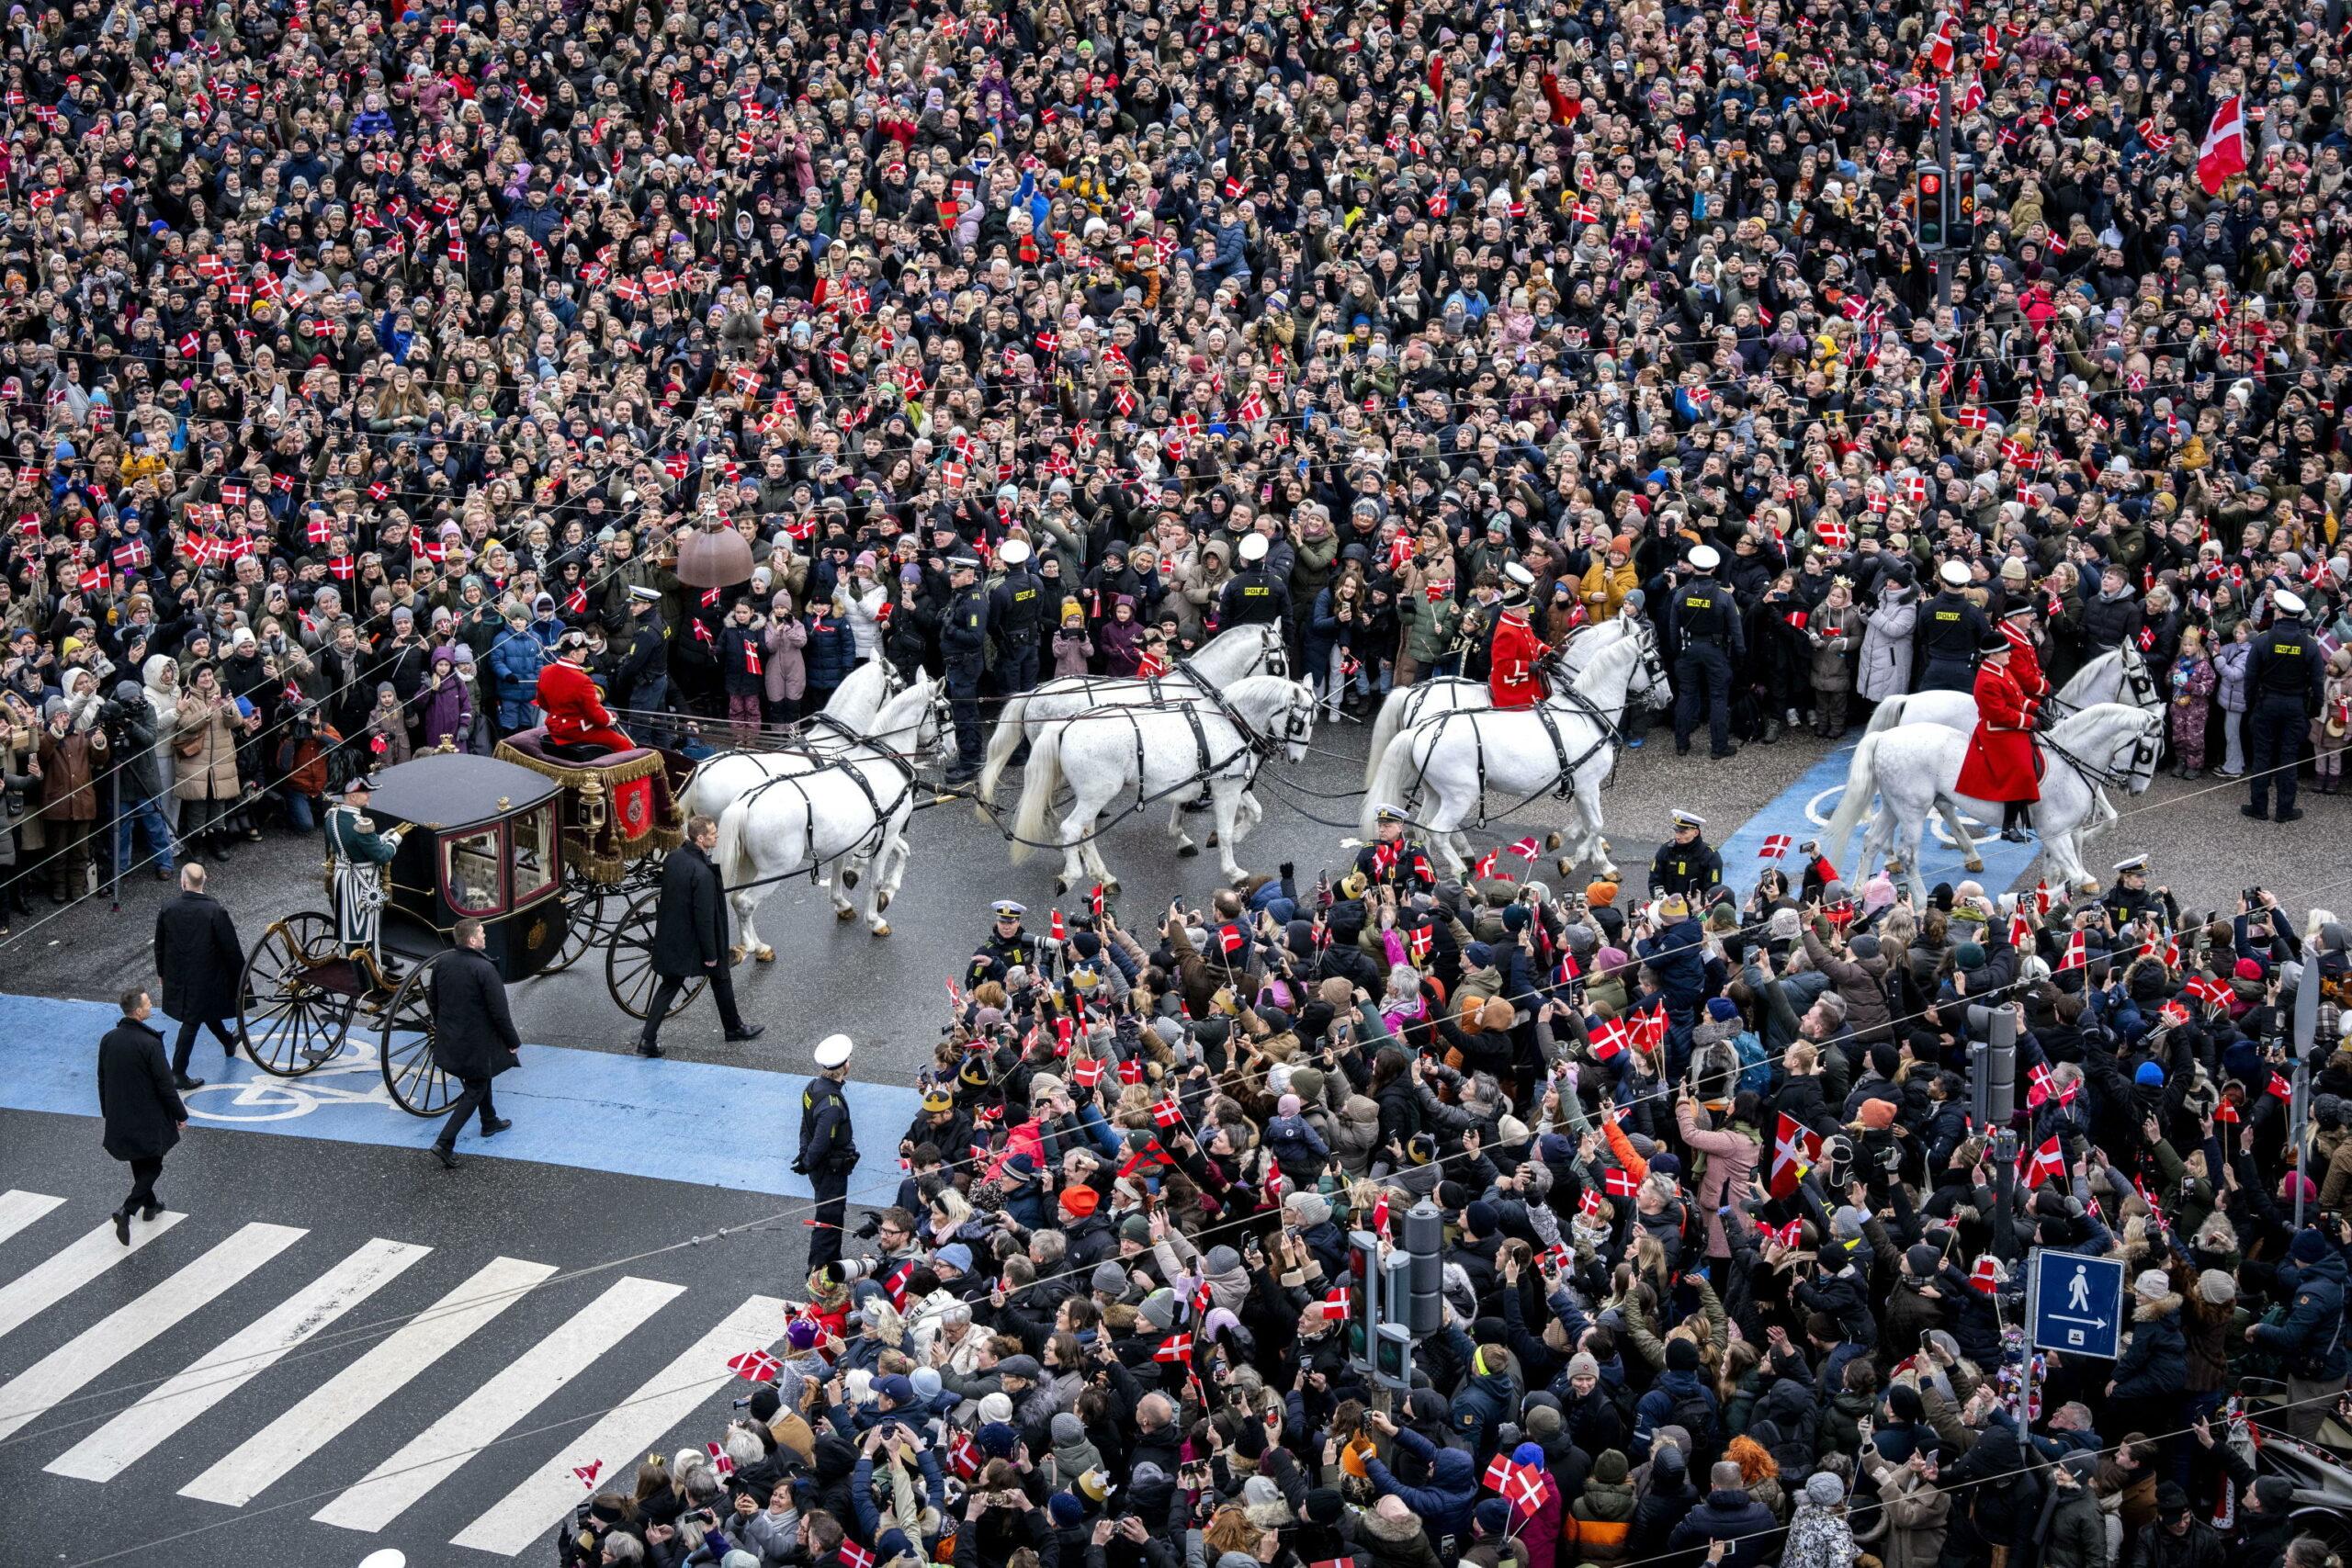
x,y
1691,1412
1755,1067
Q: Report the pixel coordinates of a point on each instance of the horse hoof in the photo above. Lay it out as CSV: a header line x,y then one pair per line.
x,y
882,901
1973,864
1061,886
1186,851
1552,840
1212,841
1565,865
849,880
734,956
766,955
1110,885
844,915
881,928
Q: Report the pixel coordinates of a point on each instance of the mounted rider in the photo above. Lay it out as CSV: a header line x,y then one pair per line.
x,y
1514,663
2000,765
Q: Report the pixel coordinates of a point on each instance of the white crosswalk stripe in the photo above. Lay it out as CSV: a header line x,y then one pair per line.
x,y
640,1420
517,1390
344,1400
73,1365
19,1209
112,1448
61,1274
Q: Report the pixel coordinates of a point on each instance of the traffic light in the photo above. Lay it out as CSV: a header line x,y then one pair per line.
x,y
1960,233
1934,220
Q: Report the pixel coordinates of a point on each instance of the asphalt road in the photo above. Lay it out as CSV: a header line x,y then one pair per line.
x,y
888,993
298,1272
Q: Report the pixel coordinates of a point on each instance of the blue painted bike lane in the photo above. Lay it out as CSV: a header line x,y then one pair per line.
x,y
1802,811
694,1122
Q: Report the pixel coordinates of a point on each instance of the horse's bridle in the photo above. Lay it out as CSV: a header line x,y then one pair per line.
x,y
2145,749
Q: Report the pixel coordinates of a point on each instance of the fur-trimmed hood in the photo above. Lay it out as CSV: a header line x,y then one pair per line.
x,y
2148,1311
1371,1523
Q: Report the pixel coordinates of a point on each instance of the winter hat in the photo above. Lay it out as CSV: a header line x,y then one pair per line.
x,y
1541,1421
1723,1010
1610,1467
2309,1245
1492,1515
2153,1284
1878,1115
1823,1490
1324,1506
1159,1310
1066,1509
1922,1260
997,1439
1480,1219
2148,1073
1582,1365
1682,1355
1288,1105
997,1407
1108,1279
1528,1453
2216,1287
1067,1429
926,1383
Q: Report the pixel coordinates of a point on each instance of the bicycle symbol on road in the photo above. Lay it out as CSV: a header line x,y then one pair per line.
x,y
264,1099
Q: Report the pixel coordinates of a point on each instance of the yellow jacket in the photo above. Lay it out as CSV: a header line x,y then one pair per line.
x,y
1605,587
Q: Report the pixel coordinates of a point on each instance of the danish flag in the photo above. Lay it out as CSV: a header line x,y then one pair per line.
x,y
1167,1113
2048,1163
2073,959
1610,1039
588,1473
755,1366
1794,1146
1774,847
1619,1181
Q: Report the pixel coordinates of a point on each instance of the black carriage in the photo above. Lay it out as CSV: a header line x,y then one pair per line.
x,y
480,838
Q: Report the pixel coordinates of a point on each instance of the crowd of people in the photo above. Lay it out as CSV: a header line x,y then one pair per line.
x,y
1727,1271
353,358
356,358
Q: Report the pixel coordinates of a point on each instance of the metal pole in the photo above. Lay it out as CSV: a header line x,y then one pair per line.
x,y
1943,156
117,830
2305,1026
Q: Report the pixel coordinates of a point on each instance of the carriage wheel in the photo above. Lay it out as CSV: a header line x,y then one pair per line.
x,y
418,1084
629,963
584,919
290,1024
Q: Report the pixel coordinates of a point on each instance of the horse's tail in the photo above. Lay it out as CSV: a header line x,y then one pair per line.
x,y
1889,715
1386,785
1031,823
1003,741
1862,783
734,857
1384,730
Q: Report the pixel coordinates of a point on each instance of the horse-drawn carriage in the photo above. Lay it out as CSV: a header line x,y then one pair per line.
x,y
477,838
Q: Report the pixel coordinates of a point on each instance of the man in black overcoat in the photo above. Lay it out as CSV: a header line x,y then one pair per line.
x,y
690,936
473,1033
142,1111
199,957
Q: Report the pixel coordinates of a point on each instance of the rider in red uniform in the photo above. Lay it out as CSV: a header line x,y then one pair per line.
x,y
2025,664
1514,679
576,714
1999,765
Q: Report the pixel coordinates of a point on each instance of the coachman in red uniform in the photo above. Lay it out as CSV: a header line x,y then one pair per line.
x,y
2000,762
576,714
1514,676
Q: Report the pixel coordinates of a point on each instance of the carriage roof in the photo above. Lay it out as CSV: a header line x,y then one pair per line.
x,y
446,791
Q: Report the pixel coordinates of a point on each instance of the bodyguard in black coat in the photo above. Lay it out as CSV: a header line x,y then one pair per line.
x,y
142,1111
199,957
690,936
473,1034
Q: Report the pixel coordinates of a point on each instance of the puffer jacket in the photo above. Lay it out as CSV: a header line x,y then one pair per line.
x,y
1601,1519
1445,1504
1861,984
2155,1358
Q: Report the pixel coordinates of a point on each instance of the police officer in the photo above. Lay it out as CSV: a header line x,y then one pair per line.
x,y
963,644
1252,595
1688,865
1005,946
1706,621
827,1148
2130,899
2283,682
1016,614
1951,631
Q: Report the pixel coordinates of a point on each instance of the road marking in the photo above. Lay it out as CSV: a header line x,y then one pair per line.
x,y
337,1404
129,1436
62,1273
123,1331
639,1423
19,1209
519,1387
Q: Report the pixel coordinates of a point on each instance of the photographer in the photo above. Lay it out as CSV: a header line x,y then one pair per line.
x,y
139,780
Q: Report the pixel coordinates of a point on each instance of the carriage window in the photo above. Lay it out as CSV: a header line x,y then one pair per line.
x,y
533,853
469,872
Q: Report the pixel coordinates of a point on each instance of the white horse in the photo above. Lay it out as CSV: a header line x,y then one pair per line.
x,y
1915,769
1232,655
1405,706
853,804
2120,676
1160,753
1567,742
721,779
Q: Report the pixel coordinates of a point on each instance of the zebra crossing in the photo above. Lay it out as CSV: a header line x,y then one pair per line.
x,y
270,1367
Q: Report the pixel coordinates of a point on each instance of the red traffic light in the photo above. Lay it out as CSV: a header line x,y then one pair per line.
x,y
1929,185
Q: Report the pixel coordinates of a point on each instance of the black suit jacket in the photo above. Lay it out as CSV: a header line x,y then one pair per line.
x,y
473,1033
140,1108
690,924
198,955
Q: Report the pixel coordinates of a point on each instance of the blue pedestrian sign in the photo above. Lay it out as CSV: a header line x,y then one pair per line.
x,y
2073,1303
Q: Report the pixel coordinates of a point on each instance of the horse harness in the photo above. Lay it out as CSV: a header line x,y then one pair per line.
x,y
1607,737
871,844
